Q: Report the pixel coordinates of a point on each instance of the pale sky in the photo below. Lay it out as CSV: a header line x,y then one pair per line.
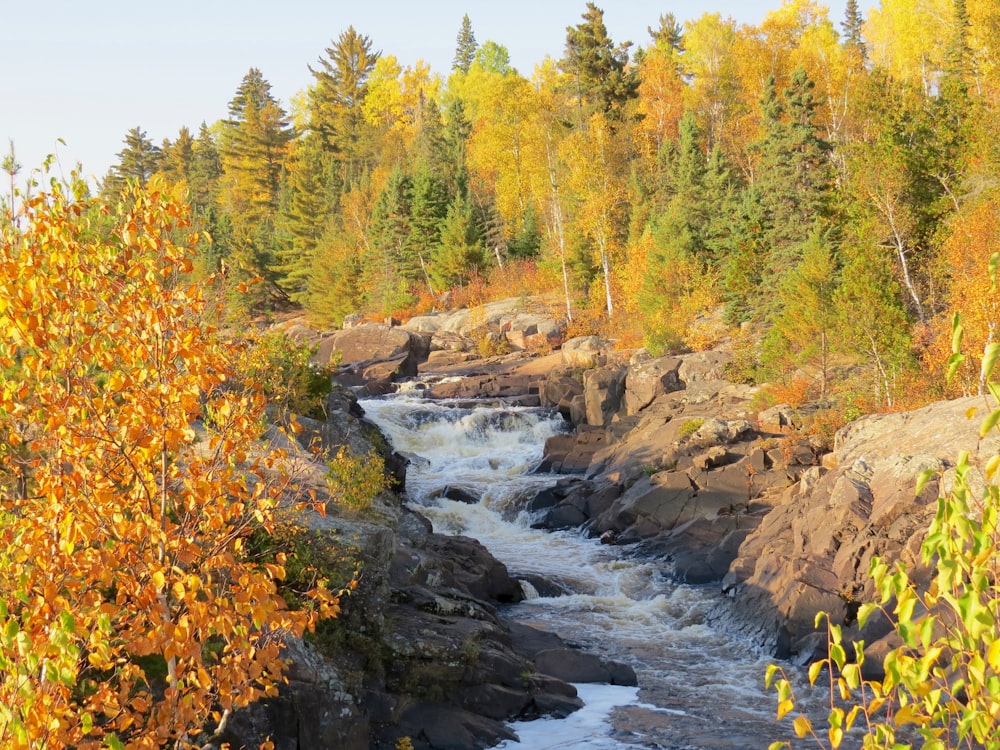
x,y
87,72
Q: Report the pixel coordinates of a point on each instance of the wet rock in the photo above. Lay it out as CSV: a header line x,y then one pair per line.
x,y
572,665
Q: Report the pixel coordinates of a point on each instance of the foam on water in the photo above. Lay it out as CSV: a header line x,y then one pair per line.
x,y
699,687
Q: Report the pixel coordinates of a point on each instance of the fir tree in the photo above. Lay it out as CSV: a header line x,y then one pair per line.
x,y
458,255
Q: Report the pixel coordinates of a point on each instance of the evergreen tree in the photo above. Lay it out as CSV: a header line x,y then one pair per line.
x,y
205,169
389,271
427,209
801,335
335,103
302,217
465,46
746,253
177,157
254,145
138,161
853,27
600,72
669,34
527,240
458,255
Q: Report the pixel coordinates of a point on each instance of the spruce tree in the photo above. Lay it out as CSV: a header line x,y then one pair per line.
x,y
427,209
465,47
177,157
205,170
853,27
458,255
390,269
302,217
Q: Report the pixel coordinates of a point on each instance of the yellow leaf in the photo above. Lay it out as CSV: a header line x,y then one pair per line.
x,y
802,726
993,656
159,580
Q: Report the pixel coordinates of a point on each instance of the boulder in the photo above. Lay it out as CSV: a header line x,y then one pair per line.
x,y
584,351
646,380
572,665
603,389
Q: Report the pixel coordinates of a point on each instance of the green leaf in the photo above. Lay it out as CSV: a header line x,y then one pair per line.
x,y
925,476
994,264
957,331
954,362
989,423
990,355
864,612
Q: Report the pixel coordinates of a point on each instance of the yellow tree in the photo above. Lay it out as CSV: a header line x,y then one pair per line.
x,y
712,68
596,169
132,610
498,148
396,101
969,256
661,90
909,38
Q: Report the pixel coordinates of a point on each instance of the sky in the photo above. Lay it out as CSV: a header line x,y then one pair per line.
x,y
87,72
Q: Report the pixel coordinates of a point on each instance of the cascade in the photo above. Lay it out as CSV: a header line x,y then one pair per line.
x,y
698,687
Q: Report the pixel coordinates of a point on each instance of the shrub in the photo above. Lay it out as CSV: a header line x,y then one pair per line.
x,y
355,480
285,371
942,685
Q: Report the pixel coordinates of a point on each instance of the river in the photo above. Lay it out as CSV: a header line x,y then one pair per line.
x,y
698,687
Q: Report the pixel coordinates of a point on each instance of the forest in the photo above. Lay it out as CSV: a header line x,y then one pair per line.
x,y
831,184
821,194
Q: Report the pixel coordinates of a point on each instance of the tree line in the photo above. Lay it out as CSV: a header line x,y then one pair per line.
x,y
833,183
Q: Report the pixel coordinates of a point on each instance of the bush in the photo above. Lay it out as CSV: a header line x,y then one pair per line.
x,y
283,368
942,685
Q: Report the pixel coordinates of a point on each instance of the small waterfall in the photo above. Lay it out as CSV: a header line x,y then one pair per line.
x,y
698,688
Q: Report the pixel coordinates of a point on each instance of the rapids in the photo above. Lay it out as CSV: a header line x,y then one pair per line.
x,y
698,687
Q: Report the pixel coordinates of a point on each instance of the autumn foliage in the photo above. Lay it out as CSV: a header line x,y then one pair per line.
x,y
132,474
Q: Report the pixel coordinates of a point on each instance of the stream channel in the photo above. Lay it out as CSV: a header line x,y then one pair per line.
x,y
698,687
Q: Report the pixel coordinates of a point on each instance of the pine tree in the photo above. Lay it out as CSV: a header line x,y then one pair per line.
x,y
600,72
137,161
335,103
465,46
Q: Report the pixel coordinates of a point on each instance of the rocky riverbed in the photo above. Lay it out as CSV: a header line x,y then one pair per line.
x,y
666,456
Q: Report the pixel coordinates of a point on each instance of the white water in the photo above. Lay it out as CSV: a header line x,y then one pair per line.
x,y
698,688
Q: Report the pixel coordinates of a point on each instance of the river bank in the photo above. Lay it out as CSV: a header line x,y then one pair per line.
x,y
672,464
